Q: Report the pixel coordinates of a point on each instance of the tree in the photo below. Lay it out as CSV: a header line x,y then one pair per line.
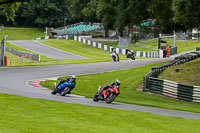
x,y
5,2
45,13
106,14
89,12
9,8
123,16
163,14
76,7
187,13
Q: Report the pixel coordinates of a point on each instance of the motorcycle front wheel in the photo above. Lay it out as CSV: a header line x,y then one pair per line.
x,y
54,92
132,57
111,97
95,98
65,91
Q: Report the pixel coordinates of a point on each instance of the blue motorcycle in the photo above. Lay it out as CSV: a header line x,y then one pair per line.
x,y
63,88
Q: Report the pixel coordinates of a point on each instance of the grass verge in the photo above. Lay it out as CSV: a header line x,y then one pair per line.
x,y
20,114
131,79
187,73
16,33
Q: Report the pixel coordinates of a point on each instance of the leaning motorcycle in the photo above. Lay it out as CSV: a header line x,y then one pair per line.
x,y
64,91
107,95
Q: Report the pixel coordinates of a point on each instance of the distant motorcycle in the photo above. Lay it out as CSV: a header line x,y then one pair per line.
x,y
115,56
107,95
131,55
63,91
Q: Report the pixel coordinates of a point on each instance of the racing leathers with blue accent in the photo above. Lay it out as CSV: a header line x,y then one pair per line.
x,y
66,83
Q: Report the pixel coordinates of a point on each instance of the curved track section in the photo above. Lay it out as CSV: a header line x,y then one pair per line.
x,y
45,50
15,81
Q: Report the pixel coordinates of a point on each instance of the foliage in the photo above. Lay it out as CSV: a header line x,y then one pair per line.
x,y
169,15
106,13
76,8
187,13
9,10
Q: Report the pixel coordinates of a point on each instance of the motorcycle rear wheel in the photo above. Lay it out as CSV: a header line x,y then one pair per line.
x,y
65,91
111,97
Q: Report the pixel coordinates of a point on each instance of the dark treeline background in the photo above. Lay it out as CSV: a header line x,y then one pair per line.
x,y
112,14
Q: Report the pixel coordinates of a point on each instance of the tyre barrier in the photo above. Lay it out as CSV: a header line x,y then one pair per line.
x,y
174,90
169,88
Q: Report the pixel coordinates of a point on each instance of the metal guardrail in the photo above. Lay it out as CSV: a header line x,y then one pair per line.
x,y
23,54
177,61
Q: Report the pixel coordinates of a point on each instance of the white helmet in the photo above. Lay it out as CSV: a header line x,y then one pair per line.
x,y
74,77
118,82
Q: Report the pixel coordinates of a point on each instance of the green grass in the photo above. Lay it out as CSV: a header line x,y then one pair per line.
x,y
20,114
131,79
187,45
188,73
13,60
16,33
81,49
152,45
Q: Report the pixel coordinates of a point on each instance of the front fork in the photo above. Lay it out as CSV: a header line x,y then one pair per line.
x,y
54,85
99,90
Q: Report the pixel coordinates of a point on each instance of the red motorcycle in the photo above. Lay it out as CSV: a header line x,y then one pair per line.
x,y
107,95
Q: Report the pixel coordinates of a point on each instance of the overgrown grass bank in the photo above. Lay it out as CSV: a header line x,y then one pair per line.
x,y
19,114
188,73
17,33
131,79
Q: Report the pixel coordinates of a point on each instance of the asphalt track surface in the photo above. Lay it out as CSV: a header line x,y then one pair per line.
x,y
45,50
16,81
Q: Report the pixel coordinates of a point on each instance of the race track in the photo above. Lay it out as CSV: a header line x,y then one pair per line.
x,y
45,50
15,81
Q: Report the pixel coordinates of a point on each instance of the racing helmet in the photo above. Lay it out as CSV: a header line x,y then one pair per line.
x,y
118,82
73,77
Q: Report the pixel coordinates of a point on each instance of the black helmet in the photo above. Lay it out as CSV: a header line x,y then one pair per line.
x,y
118,82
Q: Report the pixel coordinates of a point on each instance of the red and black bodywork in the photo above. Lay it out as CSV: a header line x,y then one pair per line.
x,y
109,94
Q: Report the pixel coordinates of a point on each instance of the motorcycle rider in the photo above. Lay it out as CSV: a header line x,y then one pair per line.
x,y
63,83
111,85
114,55
129,53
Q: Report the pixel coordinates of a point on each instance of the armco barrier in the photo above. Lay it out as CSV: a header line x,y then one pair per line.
x,y
23,54
169,88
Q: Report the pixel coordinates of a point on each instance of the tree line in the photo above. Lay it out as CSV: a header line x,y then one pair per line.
x,y
169,15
